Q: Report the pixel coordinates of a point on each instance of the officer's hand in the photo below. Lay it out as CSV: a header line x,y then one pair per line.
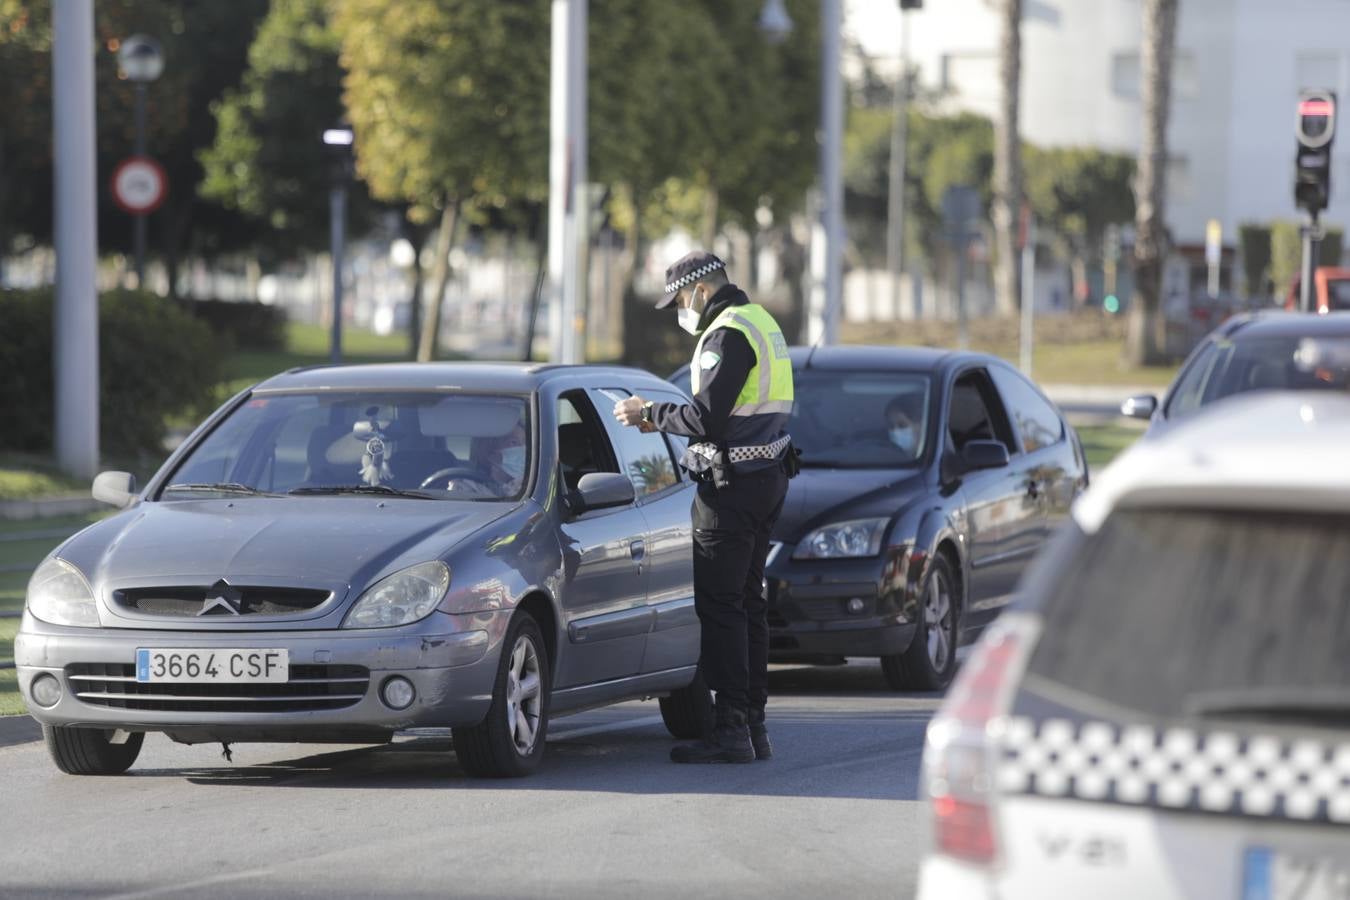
x,y
629,411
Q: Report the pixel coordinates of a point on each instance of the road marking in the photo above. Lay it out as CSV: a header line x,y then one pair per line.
x,y
601,729
189,885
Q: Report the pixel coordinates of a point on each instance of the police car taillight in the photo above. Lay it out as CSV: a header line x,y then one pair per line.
x,y
958,761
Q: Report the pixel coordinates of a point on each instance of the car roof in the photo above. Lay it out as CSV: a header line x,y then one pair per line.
x,y
859,356
1278,324
506,378
1277,451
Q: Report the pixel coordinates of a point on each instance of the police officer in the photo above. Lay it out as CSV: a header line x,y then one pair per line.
x,y
741,457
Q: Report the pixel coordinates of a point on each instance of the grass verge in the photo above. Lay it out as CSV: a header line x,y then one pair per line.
x,y
10,703
307,345
1104,442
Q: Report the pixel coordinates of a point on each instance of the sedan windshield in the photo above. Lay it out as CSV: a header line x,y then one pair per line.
x,y
415,444
862,420
1267,364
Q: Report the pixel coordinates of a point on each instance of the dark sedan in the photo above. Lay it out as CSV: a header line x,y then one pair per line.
x,y
904,542
1270,351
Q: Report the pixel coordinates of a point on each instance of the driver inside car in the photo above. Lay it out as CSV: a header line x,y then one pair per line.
x,y
902,428
499,463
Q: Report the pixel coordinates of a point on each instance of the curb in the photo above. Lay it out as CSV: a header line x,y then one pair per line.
x,y
44,507
1074,394
21,729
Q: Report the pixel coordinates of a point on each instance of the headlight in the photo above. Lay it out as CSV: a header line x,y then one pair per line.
x,y
59,595
403,597
857,538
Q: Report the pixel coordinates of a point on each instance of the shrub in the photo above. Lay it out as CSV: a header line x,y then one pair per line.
x,y
248,325
154,361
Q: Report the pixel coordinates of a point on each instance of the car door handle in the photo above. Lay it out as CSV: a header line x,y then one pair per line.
x,y
638,550
1033,489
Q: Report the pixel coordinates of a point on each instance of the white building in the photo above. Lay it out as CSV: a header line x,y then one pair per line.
x,y
1239,67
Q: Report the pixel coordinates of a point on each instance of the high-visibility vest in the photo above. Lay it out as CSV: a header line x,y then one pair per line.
x,y
761,410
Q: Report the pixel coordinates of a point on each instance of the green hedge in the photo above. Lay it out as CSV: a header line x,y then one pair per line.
x,y
248,325
155,360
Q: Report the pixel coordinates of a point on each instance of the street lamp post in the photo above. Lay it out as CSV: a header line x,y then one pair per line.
x,y
141,62
339,141
895,218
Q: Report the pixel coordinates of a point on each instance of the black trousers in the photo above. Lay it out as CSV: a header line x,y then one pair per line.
x,y
731,540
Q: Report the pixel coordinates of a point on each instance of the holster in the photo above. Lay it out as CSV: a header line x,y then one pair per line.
x,y
792,461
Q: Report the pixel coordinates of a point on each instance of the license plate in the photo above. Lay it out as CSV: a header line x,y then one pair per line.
x,y
1270,874
212,666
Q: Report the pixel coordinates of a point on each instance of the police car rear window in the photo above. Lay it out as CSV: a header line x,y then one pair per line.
x,y
1178,613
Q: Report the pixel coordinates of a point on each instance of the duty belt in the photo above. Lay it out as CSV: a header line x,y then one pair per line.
x,y
744,454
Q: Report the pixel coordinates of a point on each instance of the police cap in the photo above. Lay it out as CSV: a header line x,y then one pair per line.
x,y
687,270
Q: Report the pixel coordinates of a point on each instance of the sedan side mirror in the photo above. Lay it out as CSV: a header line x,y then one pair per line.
x,y
602,490
115,488
1140,407
977,455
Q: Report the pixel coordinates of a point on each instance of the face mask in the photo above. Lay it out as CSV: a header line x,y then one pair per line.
x,y
513,461
689,317
904,438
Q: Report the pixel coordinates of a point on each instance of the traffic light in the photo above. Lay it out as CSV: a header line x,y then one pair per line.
x,y
1315,130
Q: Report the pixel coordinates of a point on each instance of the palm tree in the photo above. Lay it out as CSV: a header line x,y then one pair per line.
x,y
1008,160
1143,341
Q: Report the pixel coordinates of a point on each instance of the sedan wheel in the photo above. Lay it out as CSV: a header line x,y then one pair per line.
x,y
930,661
509,742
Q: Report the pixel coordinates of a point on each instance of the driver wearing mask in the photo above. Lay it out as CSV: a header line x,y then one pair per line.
x,y
902,428
501,462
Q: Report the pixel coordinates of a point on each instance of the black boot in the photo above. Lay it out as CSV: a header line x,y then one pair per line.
x,y
759,735
729,743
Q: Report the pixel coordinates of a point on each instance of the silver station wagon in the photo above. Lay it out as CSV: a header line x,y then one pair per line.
x,y
340,554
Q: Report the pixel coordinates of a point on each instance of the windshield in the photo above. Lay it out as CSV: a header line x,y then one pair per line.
x,y
1197,613
453,447
1269,364
862,420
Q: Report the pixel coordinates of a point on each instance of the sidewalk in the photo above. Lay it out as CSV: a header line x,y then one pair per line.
x,y
47,507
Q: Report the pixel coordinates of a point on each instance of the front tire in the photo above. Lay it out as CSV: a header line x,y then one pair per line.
x,y
930,661
509,742
90,751
688,712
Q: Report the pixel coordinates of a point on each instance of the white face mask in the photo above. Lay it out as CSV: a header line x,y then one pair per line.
x,y
904,438
513,461
689,317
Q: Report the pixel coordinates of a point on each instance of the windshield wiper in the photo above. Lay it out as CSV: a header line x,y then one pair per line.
x,y
361,489
1273,706
222,487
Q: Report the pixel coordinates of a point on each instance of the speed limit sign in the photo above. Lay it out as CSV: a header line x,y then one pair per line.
x,y
139,185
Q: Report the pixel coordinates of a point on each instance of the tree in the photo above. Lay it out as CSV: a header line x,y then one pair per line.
x,y
449,101
1008,159
1076,193
25,125
1254,241
1143,340
268,162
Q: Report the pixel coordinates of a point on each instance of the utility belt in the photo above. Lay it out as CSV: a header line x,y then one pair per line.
x,y
715,463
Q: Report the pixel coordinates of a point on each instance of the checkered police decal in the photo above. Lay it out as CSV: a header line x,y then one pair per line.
x,y
684,280
1176,768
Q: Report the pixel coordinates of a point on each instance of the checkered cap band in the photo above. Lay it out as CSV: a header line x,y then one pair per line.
x,y
1177,768
691,277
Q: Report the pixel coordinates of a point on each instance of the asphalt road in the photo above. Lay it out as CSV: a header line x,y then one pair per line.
x,y
834,814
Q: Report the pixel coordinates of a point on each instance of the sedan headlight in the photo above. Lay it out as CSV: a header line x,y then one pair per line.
x,y
842,540
59,594
405,596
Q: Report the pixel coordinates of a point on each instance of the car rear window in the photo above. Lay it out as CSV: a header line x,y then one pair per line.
x,y
1177,613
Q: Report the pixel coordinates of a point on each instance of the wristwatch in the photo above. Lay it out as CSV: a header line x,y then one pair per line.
x,y
647,412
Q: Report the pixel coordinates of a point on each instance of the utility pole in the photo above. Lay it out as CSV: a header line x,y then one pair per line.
x,y
75,354
895,214
567,174
828,263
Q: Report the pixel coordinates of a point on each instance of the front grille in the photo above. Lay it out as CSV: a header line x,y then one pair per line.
x,y
822,609
191,601
311,687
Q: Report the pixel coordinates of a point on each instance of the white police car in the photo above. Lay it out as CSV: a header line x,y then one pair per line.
x,y
1166,712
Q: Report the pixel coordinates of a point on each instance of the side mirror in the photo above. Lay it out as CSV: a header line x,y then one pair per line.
x,y
115,488
1140,407
602,490
977,455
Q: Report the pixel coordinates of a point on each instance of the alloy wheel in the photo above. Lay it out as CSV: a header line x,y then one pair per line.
x,y
523,700
938,616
